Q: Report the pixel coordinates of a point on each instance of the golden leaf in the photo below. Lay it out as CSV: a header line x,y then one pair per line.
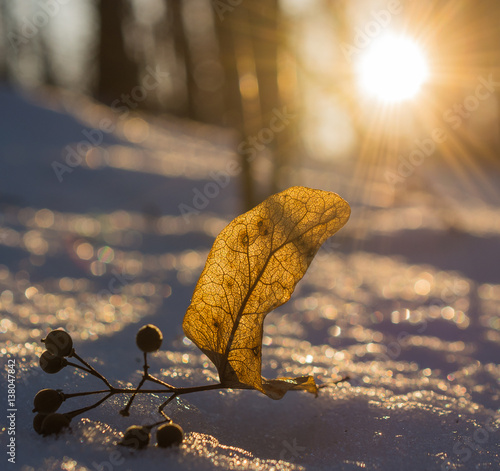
x,y
252,268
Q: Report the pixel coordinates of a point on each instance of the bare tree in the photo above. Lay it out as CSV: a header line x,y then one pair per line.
x,y
117,72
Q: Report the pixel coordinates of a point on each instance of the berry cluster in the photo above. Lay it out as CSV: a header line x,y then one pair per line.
x,y
59,349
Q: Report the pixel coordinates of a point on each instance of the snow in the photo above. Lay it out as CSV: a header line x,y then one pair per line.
x,y
405,301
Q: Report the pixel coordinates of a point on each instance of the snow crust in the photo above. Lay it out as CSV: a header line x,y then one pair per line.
x,y
417,337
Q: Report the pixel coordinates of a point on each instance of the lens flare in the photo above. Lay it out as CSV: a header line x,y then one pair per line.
x,y
392,69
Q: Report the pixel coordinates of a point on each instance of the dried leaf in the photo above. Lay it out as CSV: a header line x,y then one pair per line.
x,y
252,268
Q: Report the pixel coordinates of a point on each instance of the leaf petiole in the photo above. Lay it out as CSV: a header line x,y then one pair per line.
x,y
125,411
93,406
92,371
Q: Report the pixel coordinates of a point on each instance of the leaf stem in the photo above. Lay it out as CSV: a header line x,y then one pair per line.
x,y
76,365
160,409
111,391
92,371
87,393
125,411
207,387
159,381
93,406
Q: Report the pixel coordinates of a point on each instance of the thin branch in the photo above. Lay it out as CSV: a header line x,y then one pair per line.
x,y
93,406
93,371
160,409
125,412
88,393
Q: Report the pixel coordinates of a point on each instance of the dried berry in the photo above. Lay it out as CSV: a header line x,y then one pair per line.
x,y
136,437
169,434
149,338
37,422
47,401
59,343
55,423
51,363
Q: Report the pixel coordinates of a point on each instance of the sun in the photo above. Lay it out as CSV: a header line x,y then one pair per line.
x,y
392,69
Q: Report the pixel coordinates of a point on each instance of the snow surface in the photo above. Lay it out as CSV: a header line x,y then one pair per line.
x,y
405,301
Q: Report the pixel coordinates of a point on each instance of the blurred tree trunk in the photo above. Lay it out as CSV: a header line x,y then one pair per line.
x,y
181,45
49,76
489,12
4,28
249,38
347,91
117,72
9,52
237,60
265,18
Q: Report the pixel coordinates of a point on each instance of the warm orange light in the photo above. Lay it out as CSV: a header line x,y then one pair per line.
x,y
392,69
